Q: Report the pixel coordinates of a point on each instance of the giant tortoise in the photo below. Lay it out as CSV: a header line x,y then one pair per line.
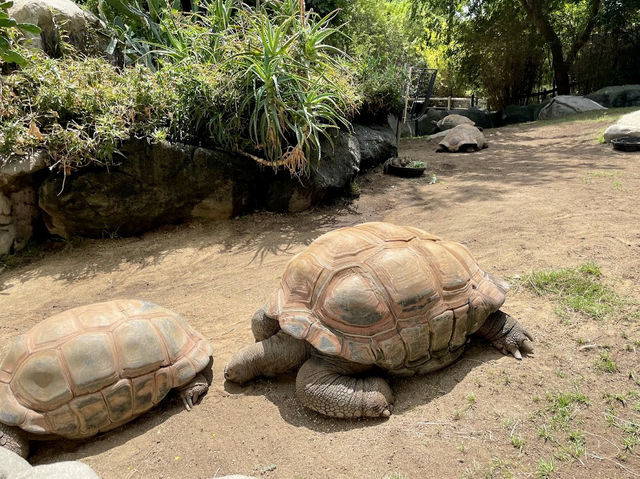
x,y
93,368
370,298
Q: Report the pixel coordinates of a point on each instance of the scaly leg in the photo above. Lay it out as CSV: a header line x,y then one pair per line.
x,y
14,439
191,392
506,334
327,387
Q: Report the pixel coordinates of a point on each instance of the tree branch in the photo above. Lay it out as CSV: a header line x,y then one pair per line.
x,y
586,32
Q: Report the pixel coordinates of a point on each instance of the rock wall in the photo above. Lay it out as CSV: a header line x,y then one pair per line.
x,y
164,183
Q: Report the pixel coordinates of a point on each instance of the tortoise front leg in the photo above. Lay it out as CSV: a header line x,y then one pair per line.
x,y
328,388
506,334
274,355
14,439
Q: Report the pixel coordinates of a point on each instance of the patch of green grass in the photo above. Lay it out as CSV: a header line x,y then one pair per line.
x,y
497,468
606,363
563,408
579,289
628,426
518,442
545,468
395,475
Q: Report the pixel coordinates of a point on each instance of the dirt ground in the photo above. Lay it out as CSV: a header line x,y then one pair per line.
x,y
539,197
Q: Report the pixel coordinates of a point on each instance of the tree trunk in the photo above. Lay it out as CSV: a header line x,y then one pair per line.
x,y
561,64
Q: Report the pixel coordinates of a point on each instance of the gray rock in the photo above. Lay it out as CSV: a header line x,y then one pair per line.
x,y
60,470
16,172
377,143
156,184
617,96
7,226
627,125
563,105
340,163
11,464
81,28
516,114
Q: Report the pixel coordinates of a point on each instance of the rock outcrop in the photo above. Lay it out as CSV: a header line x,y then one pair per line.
x,y
563,105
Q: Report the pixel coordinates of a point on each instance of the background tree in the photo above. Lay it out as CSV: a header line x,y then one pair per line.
x,y
551,15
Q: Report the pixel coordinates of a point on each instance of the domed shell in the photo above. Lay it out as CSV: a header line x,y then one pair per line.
x,y
93,368
382,294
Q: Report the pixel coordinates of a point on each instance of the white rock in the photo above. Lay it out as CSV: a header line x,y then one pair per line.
x,y
628,125
11,464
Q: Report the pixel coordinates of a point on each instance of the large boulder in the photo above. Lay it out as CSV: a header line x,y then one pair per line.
x,y
627,125
163,183
563,105
617,96
339,165
377,143
82,29
156,184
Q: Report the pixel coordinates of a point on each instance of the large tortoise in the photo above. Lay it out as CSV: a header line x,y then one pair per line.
x,y
464,138
93,368
373,297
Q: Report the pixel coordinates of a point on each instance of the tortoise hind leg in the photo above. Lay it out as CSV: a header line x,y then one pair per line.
x,y
14,439
274,355
328,388
263,326
193,391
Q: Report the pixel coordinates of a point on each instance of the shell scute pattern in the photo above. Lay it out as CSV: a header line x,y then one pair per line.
x,y
398,298
83,371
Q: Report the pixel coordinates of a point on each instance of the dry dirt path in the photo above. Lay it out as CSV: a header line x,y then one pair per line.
x,y
539,197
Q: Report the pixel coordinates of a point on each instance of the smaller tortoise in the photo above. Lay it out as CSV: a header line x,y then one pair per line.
x,y
370,298
464,138
453,120
93,368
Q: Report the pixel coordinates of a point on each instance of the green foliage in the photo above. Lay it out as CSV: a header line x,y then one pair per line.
x,y
579,289
263,82
382,41
8,52
502,56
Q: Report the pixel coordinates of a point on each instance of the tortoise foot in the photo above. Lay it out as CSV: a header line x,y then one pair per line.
x,y
194,391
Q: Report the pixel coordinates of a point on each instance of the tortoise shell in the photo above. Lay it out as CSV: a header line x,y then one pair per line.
x,y
381,294
451,121
93,368
463,138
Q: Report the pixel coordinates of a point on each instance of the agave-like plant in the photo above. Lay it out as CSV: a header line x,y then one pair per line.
x,y
288,66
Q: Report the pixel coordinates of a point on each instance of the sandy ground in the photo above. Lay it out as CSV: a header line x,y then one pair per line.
x,y
539,197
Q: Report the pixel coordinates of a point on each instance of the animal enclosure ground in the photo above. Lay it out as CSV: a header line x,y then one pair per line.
x,y
539,197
